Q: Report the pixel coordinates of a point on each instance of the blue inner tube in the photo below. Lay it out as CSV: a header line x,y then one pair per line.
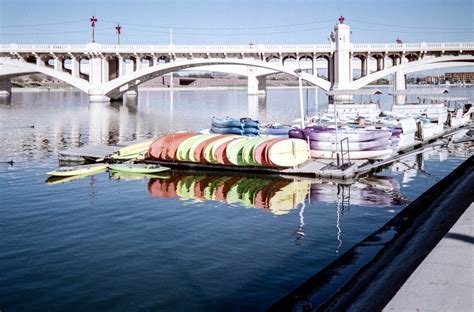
x,y
251,124
250,131
226,123
228,130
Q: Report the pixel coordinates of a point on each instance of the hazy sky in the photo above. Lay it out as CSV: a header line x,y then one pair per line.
x,y
234,21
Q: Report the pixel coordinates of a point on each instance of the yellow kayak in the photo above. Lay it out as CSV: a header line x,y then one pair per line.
x,y
78,170
132,151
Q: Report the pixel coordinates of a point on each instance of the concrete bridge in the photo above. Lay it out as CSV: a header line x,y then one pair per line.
x,y
107,71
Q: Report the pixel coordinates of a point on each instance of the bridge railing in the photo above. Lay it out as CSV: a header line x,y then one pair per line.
x,y
249,49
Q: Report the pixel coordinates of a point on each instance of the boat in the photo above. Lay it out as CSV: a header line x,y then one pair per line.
x,y
247,152
373,154
226,123
196,152
183,152
78,170
210,151
288,153
171,150
234,151
220,153
132,151
138,168
164,148
260,151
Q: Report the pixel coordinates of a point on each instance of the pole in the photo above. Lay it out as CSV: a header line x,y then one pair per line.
x,y
301,101
171,43
337,141
93,21
118,28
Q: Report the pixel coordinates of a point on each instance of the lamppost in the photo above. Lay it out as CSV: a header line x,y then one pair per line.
x,y
118,28
93,21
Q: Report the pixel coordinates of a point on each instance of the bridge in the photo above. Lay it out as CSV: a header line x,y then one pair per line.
x,y
106,71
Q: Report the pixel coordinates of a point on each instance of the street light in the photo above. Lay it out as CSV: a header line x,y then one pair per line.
x,y
93,21
118,28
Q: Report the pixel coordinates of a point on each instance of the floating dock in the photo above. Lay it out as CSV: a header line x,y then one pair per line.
x,y
314,168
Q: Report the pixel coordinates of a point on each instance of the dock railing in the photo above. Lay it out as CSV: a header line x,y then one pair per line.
x,y
344,164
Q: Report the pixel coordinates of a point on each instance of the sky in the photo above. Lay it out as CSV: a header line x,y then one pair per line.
x,y
234,21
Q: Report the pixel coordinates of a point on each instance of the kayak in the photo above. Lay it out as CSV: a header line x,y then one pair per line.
x,y
260,149
210,150
288,153
182,154
198,151
172,148
138,168
234,151
132,151
247,152
78,170
220,154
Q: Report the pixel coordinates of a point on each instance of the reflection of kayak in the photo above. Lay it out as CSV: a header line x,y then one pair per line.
x,y
138,168
78,170
57,180
132,151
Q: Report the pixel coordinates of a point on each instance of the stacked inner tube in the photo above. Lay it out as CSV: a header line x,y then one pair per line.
x,y
229,149
243,126
361,143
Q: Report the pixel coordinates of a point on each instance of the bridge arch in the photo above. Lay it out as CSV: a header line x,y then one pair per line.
x,y
416,66
138,77
76,82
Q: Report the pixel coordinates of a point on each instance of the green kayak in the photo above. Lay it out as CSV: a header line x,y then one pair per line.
x,y
247,152
183,149
234,151
138,168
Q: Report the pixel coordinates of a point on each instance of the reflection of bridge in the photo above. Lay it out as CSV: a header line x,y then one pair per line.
x,y
108,75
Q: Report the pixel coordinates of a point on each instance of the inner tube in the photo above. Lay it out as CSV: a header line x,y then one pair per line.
x,y
227,130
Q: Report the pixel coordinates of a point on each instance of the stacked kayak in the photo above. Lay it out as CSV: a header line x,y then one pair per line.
x,y
276,195
228,149
228,125
275,130
132,151
361,143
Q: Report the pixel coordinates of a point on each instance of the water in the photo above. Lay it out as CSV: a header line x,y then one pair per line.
x,y
184,242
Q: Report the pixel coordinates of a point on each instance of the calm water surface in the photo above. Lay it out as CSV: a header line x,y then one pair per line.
x,y
183,242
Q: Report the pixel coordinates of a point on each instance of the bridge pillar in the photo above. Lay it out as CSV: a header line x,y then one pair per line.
x,y
58,64
364,66
256,85
380,63
5,87
400,84
75,67
96,73
342,61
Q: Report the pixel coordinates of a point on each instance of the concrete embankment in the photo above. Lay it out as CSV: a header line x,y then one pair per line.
x,y
368,276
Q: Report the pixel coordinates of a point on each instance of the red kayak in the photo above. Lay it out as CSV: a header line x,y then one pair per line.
x,y
199,151
173,144
259,153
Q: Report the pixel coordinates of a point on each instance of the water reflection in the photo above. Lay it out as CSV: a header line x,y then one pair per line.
x,y
278,196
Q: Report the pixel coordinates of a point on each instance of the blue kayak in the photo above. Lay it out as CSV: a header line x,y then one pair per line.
x,y
226,123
